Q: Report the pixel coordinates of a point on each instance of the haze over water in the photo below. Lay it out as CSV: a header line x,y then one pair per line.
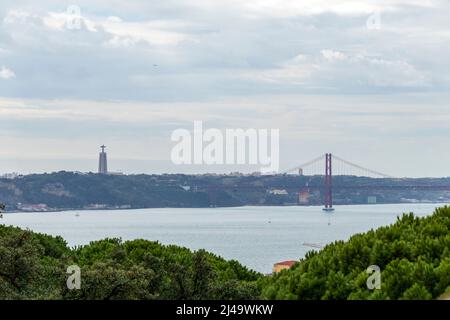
x,y
256,236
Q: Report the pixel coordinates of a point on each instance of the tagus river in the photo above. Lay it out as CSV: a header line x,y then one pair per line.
x,y
256,236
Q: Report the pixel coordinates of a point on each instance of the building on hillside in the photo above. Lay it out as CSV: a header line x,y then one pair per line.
x,y
278,192
277,267
303,197
10,176
371,200
39,207
115,173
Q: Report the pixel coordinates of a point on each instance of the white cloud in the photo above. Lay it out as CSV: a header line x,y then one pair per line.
x,y
152,32
14,16
292,8
6,73
114,19
206,48
336,70
124,33
331,55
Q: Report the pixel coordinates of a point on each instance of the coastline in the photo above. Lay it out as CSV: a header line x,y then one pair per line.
x,y
218,207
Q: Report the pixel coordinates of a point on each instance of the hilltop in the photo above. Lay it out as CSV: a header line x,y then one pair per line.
x,y
69,190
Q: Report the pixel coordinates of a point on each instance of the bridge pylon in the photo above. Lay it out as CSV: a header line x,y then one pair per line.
x,y
328,201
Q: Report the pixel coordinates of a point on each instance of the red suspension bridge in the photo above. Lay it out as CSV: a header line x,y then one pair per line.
x,y
345,168
328,166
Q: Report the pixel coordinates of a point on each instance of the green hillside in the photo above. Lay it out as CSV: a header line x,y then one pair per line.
x,y
33,266
413,255
70,190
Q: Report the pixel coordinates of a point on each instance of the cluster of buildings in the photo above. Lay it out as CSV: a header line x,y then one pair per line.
x,y
12,175
38,207
283,265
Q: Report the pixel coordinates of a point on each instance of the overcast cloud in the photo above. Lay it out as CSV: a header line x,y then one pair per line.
x,y
135,70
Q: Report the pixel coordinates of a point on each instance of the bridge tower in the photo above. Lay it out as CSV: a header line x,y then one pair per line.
x,y
328,183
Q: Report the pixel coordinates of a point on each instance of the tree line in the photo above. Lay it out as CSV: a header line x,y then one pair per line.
x,y
413,255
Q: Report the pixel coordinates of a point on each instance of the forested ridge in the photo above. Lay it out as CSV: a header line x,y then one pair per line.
x,y
70,190
33,266
413,255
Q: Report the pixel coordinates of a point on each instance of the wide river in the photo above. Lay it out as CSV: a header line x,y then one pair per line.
x,y
256,236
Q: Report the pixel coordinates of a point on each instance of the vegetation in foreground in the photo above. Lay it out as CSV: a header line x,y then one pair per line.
x,y
33,266
413,255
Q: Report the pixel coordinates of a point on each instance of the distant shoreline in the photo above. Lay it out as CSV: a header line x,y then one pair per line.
x,y
65,191
221,207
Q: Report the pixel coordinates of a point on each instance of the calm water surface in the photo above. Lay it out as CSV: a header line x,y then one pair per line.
x,y
256,236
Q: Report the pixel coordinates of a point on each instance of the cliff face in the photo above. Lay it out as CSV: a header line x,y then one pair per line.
x,y
67,190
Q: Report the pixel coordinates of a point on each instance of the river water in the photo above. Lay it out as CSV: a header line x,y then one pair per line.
x,y
256,236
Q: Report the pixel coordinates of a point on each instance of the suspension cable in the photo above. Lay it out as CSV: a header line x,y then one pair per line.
x,y
363,168
313,161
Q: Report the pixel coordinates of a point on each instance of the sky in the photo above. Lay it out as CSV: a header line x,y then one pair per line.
x,y
366,80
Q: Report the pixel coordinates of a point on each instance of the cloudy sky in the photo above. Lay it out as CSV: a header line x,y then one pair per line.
x,y
366,80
